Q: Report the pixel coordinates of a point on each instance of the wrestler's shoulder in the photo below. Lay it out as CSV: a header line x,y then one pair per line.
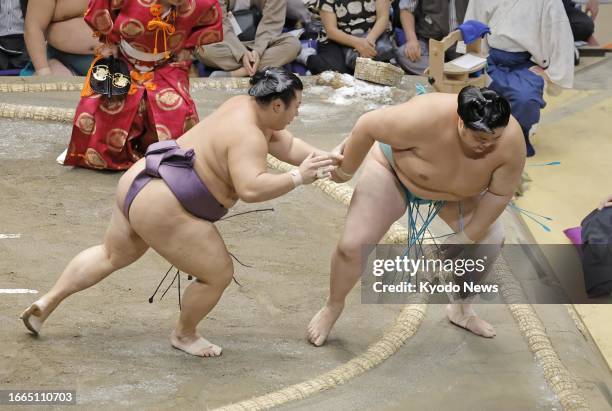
x,y
423,110
513,134
244,134
430,103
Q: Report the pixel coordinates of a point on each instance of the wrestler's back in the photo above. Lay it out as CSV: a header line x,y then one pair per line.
x,y
434,165
211,139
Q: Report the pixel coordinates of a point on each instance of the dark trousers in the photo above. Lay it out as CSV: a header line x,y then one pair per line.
x,y
330,56
333,56
582,25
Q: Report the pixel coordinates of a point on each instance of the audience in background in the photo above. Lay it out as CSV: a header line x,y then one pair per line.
x,y
58,39
351,29
531,46
423,20
240,55
13,54
583,25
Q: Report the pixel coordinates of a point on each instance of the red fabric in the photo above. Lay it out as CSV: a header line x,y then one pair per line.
x,y
113,134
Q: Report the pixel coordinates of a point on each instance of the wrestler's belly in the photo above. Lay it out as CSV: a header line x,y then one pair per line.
x,y
62,34
223,192
427,181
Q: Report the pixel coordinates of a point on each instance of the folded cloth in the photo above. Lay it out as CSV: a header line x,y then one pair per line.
x,y
472,30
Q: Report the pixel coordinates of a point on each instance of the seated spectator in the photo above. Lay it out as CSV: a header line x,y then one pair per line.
x,y
582,25
13,53
531,45
423,20
58,39
270,47
350,29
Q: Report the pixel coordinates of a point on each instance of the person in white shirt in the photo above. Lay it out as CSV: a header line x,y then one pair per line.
x,y
531,45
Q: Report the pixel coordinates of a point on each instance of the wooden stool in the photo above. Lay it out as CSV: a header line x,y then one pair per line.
x,y
449,77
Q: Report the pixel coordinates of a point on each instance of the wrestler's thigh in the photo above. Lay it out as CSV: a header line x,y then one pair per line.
x,y
122,243
196,248
191,244
378,201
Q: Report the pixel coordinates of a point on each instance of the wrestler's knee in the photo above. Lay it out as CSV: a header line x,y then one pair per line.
x,y
121,258
219,276
348,250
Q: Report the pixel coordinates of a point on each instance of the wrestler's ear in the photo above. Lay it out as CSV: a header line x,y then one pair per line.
x,y
277,105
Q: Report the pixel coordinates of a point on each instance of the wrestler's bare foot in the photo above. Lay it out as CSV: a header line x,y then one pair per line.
x,y
34,316
468,320
195,344
322,323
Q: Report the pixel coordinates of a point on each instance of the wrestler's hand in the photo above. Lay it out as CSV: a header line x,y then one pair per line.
x,y
311,165
338,176
455,244
335,157
607,202
340,147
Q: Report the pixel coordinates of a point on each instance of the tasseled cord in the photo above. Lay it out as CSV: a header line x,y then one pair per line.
x,y
159,24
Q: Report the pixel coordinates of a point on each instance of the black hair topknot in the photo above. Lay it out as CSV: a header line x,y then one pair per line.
x,y
483,109
273,82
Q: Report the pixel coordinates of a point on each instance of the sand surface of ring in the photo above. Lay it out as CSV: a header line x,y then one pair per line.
x,y
111,345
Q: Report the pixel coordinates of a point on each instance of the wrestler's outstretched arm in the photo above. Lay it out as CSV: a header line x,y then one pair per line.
x,y
284,146
248,169
393,125
502,187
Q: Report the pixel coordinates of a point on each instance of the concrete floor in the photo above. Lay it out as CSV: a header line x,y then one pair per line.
x,y
111,346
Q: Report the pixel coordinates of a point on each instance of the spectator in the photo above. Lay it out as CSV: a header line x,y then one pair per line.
x,y
13,53
423,20
350,29
531,45
269,47
58,39
582,25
